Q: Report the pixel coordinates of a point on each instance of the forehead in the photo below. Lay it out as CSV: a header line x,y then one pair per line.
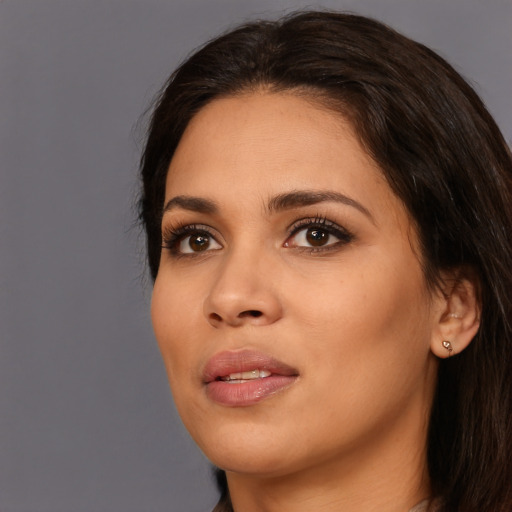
x,y
242,151
257,136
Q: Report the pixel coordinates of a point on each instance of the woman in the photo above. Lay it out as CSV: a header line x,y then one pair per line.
x,y
328,215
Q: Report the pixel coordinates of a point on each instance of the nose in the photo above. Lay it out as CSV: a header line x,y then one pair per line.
x,y
244,292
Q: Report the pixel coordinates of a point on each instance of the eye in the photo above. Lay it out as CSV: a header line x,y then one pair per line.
x,y
197,242
316,234
189,239
314,237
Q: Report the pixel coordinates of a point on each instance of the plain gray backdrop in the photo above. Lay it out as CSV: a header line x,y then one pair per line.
x,y
86,419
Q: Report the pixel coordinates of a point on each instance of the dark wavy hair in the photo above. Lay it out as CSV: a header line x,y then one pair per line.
x,y
444,157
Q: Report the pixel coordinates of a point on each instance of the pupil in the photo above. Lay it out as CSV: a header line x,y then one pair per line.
x,y
199,243
316,236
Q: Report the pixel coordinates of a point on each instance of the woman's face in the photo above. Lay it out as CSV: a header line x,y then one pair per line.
x,y
290,305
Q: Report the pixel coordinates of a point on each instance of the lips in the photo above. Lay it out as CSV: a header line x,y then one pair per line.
x,y
243,378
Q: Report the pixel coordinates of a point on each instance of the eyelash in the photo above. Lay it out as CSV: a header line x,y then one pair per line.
x,y
172,236
344,236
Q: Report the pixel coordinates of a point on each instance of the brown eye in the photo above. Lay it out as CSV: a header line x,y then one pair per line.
x,y
313,236
198,241
317,237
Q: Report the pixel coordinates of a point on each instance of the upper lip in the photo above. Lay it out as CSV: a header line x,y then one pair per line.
x,y
225,363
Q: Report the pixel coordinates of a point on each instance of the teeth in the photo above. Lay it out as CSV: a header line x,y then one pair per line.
x,y
244,376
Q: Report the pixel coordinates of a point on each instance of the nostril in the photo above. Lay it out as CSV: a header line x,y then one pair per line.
x,y
216,317
251,312
216,320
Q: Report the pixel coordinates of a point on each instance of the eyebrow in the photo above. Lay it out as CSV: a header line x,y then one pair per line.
x,y
194,204
299,198
281,202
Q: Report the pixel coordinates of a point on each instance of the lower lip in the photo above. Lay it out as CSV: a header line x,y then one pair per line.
x,y
242,394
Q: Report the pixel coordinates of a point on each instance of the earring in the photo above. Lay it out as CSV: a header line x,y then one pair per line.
x,y
448,346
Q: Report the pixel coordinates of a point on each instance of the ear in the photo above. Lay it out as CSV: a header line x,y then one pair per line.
x,y
457,314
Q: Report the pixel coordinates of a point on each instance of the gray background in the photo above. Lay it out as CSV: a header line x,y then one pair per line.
x,y
86,419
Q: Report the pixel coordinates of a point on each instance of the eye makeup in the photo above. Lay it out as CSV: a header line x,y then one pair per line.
x,y
189,240
316,234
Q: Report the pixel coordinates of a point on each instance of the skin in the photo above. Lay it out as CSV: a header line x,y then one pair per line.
x,y
355,316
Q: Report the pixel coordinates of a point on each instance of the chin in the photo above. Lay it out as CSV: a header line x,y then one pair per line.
x,y
246,450
254,463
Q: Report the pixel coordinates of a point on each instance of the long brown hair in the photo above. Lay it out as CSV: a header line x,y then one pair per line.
x,y
441,153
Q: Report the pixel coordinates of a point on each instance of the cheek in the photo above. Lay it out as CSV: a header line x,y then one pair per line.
x,y
174,312
365,327
375,311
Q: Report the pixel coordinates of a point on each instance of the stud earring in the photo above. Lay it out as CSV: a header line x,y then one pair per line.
x,y
448,346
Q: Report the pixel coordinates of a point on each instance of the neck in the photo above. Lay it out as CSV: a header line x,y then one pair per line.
x,y
388,475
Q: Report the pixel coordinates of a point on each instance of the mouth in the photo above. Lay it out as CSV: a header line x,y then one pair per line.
x,y
243,378
240,377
